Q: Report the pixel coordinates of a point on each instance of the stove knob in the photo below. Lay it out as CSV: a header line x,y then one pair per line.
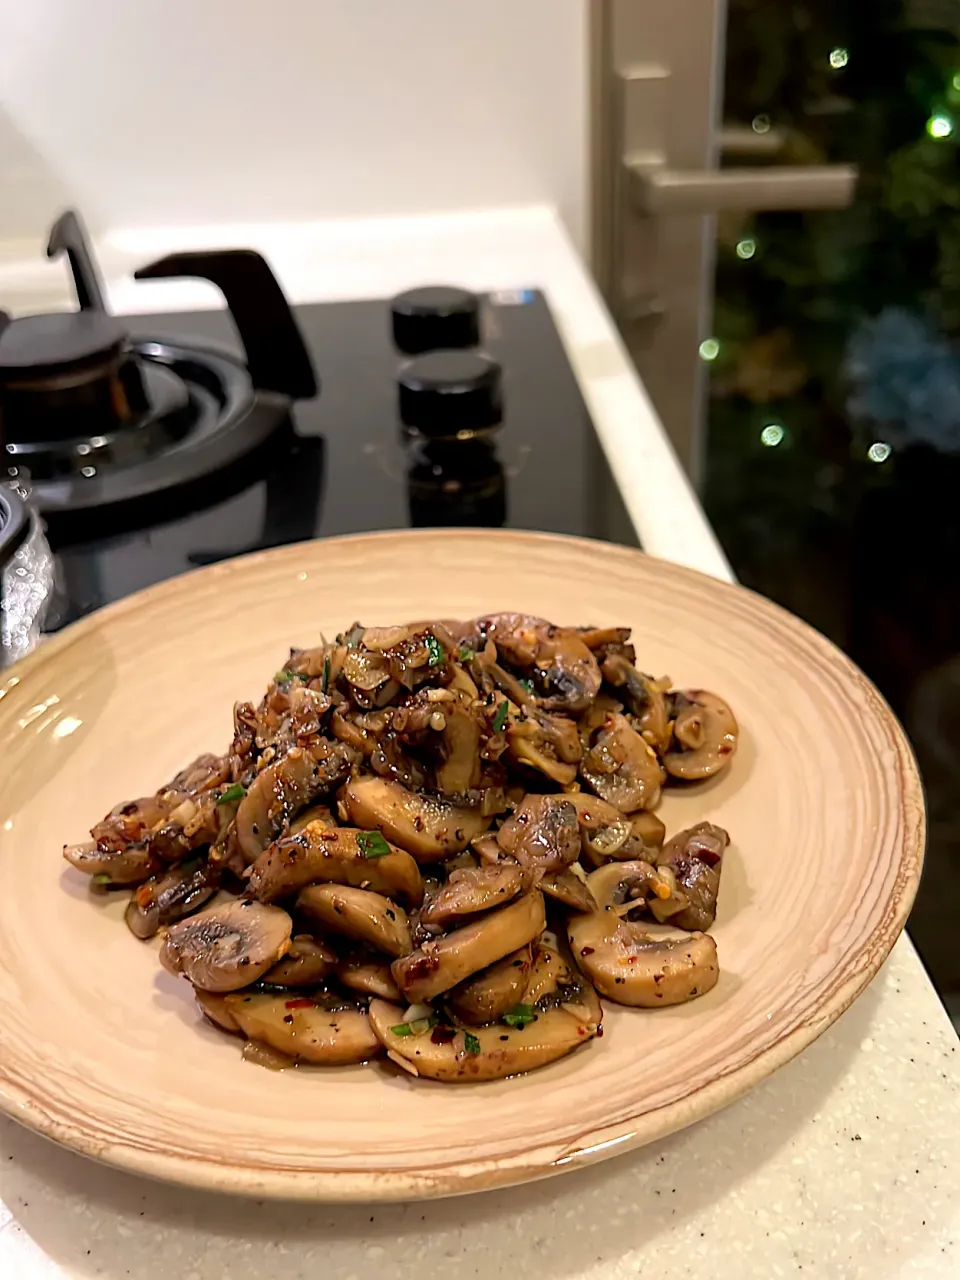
x,y
435,318
450,394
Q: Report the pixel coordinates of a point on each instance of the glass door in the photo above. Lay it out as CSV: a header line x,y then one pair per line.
x,y
777,220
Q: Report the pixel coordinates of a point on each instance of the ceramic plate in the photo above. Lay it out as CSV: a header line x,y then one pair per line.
x,y
104,1052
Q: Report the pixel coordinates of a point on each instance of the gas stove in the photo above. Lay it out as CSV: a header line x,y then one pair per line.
x,y
150,445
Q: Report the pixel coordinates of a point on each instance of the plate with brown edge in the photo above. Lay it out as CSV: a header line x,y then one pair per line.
x,y
104,1052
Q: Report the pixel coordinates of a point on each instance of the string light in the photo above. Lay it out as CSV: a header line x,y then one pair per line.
x,y
839,58
772,435
709,349
760,124
940,126
879,451
746,248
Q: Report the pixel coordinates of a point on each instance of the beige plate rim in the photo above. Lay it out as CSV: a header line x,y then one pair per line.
x,y
463,1176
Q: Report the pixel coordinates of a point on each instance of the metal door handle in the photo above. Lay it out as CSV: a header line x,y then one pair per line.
x,y
656,189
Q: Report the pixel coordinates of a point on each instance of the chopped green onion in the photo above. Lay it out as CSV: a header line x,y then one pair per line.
x,y
415,1028
287,677
354,636
471,1043
500,719
520,1015
372,844
465,653
527,684
325,682
235,791
101,878
435,650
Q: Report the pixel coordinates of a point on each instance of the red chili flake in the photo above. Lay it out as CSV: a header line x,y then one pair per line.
x,y
302,1002
724,750
422,965
442,1035
587,951
581,1031
633,959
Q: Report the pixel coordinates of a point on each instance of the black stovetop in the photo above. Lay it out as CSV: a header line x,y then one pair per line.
x,y
342,465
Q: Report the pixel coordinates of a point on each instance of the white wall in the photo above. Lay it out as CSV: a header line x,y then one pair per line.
x,y
178,112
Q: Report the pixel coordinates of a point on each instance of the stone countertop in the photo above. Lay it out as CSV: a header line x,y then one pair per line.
x,y
845,1163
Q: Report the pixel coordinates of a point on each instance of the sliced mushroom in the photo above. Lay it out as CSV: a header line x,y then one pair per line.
x,y
319,854
491,992
621,768
303,1030
604,830
599,637
626,964
619,884
646,698
227,947
428,827
320,813
705,732
564,669
568,889
539,745
552,980
460,766
694,857
439,965
176,893
647,828
306,964
369,976
472,889
275,796
543,834
491,1052
359,914
131,865
214,1008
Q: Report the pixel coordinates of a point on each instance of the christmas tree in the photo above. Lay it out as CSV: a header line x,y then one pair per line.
x,y
833,461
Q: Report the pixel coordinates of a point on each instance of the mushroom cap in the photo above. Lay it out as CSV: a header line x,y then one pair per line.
x,y
491,992
626,964
440,965
307,963
227,947
621,768
542,833
273,798
318,854
428,827
214,1008
307,1033
472,889
359,914
369,976
500,1050
706,734
568,889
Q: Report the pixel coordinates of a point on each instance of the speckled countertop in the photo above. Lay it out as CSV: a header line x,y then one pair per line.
x,y
844,1164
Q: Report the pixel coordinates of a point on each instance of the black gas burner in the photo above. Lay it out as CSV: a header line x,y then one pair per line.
x,y
157,444
95,419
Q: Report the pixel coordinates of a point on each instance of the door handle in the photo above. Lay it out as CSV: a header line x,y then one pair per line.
x,y
655,189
